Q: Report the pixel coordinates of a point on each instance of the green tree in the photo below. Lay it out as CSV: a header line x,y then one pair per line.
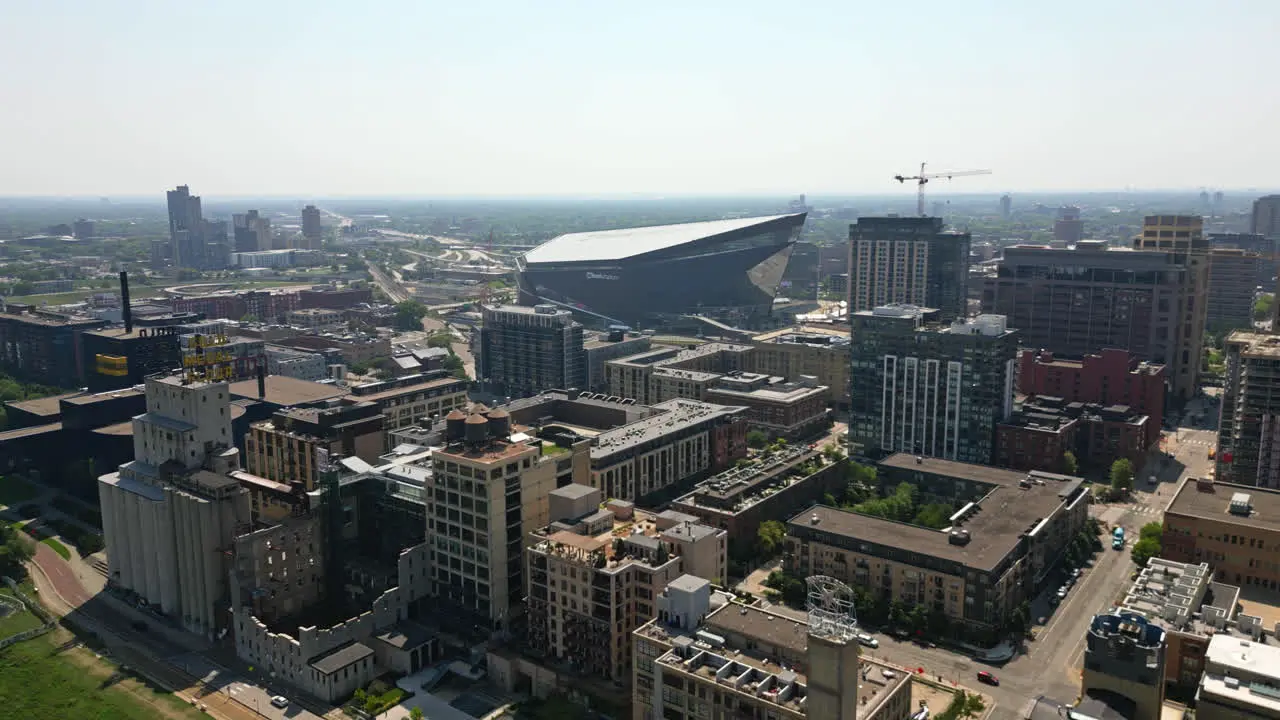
x,y
415,713
1122,475
1149,543
769,537
442,339
1144,550
1262,307
757,439
1069,463
919,618
973,705
455,366
409,315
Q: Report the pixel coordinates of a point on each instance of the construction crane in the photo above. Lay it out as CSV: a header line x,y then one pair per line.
x,y
923,178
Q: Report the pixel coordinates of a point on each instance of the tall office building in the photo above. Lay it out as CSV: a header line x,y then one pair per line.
x,y
252,232
1077,302
1266,216
1249,427
1233,275
312,236
908,260
170,516
217,244
1068,228
922,387
186,228
525,350
1006,205
1182,236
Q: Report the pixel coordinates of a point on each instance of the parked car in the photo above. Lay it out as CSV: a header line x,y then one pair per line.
x,y
902,634
868,641
280,701
985,676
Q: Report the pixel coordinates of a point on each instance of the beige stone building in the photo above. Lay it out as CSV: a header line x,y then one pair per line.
x,y
413,400
819,352
1182,236
595,572
283,449
488,491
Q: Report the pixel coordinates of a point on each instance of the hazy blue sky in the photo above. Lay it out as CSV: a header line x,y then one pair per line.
x,y
546,97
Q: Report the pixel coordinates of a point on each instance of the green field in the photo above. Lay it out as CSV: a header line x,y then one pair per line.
x,y
15,491
58,548
19,621
38,682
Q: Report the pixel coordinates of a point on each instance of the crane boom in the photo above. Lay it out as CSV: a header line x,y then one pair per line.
x,y
923,178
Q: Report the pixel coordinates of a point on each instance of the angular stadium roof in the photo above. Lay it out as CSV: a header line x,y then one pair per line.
x,y
603,245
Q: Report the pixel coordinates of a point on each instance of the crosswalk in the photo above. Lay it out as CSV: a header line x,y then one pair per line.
x,y
1146,510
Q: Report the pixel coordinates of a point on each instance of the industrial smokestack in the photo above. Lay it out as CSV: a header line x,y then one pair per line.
x,y
262,382
124,301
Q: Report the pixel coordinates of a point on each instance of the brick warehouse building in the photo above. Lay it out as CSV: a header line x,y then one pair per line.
x,y
1110,377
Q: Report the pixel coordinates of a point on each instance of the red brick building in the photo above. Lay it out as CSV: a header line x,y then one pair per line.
x,y
1043,428
1112,377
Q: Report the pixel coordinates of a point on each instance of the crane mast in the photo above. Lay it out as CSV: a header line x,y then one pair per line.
x,y
923,179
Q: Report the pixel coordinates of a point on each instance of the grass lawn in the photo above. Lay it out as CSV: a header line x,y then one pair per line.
x,y
15,491
37,681
16,622
58,547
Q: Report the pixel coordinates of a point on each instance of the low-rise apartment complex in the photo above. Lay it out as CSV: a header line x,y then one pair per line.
x,y
1002,544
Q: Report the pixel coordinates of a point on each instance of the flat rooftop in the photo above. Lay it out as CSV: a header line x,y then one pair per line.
x,y
629,242
396,392
1211,501
967,471
47,406
284,391
773,392
496,450
681,414
48,321
119,333
773,629
1257,345
30,431
1004,516
90,399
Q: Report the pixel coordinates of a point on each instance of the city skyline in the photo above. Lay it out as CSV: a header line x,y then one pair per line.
x,y
565,100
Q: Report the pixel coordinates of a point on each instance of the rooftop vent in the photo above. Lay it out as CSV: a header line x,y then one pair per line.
x,y
959,537
1241,504
813,519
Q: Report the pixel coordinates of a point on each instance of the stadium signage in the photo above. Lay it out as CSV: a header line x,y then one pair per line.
x,y
601,276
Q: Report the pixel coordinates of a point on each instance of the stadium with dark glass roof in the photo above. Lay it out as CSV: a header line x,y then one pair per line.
x,y
726,270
